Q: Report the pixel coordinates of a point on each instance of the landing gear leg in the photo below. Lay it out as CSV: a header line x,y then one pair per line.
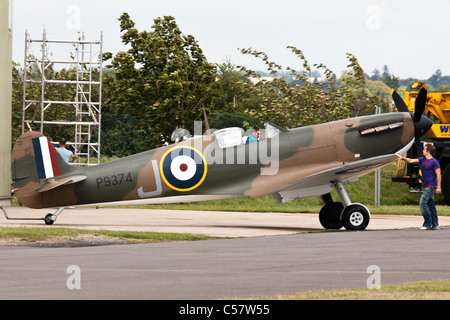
x,y
330,214
355,216
49,218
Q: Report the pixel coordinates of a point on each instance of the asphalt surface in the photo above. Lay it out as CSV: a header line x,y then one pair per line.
x,y
273,258
213,223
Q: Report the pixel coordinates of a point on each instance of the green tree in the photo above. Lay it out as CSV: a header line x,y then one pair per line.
x,y
435,79
164,78
17,105
375,75
379,92
389,79
307,101
231,91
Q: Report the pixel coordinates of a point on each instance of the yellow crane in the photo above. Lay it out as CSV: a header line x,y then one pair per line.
x,y
437,108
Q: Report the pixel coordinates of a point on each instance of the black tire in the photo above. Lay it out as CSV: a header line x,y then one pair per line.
x,y
48,219
330,215
355,217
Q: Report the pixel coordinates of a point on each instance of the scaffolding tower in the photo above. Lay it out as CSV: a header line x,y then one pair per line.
x,y
65,103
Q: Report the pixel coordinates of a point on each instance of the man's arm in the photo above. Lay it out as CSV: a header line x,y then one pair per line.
x,y
438,179
409,160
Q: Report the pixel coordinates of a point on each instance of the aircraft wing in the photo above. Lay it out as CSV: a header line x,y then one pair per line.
x,y
57,182
320,183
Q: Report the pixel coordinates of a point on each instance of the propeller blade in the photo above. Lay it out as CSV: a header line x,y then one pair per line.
x,y
399,103
421,101
421,123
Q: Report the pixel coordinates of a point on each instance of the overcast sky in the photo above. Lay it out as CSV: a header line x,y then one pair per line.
x,y
411,37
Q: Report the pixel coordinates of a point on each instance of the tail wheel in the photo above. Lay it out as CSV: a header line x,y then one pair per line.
x,y
355,217
49,219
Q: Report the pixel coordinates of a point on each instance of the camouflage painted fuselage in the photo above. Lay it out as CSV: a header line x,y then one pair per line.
x,y
200,168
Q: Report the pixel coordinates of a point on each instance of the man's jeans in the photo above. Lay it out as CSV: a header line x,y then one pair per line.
x,y
428,208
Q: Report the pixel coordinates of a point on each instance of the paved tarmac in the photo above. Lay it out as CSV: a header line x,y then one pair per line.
x,y
227,268
213,223
269,258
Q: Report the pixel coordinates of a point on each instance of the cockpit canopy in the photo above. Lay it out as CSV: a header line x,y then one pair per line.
x,y
229,137
235,136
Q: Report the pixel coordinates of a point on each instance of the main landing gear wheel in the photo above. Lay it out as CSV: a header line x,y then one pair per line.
x,y
355,217
330,215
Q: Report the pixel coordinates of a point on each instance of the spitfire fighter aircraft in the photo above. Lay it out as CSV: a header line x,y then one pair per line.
x,y
286,163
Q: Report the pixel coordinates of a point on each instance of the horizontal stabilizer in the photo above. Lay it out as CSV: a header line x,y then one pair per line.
x,y
58,182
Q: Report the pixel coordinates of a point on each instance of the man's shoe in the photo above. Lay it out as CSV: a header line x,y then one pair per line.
x,y
424,228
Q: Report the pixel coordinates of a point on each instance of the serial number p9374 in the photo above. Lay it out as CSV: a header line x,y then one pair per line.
x,y
114,180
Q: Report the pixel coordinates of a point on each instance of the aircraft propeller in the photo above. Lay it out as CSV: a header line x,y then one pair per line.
x,y
421,123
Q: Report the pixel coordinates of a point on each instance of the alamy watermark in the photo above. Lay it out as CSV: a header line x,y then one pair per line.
x,y
373,21
374,280
74,280
230,147
73,21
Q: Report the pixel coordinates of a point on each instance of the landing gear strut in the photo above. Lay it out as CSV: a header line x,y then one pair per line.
x,y
49,218
335,215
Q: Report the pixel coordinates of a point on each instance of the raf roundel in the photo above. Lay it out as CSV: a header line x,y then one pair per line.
x,y
183,168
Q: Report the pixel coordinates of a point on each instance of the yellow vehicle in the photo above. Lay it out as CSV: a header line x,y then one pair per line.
x,y
437,108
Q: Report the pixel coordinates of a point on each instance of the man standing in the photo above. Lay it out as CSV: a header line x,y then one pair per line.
x,y
64,152
431,184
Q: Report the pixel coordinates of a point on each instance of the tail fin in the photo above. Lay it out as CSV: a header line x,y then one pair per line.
x,y
34,159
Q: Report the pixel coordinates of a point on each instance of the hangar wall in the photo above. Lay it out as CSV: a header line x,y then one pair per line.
x,y
5,101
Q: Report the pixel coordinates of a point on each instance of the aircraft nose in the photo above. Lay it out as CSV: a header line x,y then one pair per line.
x,y
421,123
422,126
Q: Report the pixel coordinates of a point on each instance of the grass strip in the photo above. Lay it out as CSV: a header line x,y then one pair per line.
x,y
422,290
41,234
